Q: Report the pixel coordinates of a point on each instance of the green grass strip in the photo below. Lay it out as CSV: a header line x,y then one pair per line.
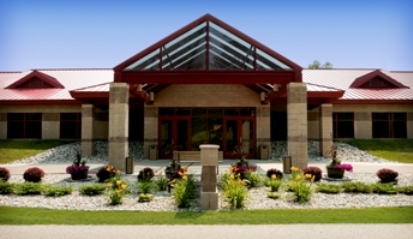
x,y
11,150
33,216
400,150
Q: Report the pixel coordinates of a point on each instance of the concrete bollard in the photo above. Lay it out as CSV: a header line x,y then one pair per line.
x,y
209,163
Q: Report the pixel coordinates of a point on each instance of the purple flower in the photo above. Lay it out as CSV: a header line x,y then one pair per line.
x,y
345,166
76,169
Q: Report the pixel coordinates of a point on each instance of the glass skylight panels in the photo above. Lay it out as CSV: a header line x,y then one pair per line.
x,y
148,62
267,62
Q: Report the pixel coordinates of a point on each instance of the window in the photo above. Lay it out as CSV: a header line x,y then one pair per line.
x,y
24,125
389,125
70,125
343,125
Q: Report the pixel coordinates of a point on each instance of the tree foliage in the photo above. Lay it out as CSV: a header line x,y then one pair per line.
x,y
317,65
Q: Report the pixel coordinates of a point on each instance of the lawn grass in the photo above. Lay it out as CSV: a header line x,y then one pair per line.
x,y
33,216
393,150
11,150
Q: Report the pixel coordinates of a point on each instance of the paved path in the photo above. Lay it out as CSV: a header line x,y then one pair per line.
x,y
319,231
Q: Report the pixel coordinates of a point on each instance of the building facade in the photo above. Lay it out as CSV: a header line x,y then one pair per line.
x,y
206,83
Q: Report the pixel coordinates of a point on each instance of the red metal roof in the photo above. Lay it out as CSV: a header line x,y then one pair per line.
x,y
86,81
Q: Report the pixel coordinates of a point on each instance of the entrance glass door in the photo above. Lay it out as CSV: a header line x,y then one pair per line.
x,y
173,135
238,133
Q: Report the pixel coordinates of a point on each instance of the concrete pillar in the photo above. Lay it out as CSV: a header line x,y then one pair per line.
x,y
297,123
209,163
326,129
87,130
3,125
363,125
118,124
263,129
150,129
51,126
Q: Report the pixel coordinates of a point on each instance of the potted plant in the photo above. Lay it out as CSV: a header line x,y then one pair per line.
x,y
335,169
78,170
242,166
172,169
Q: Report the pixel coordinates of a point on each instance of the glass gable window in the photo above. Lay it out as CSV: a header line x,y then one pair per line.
x,y
207,46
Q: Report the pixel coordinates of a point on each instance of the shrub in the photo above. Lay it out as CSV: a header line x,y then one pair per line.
x,y
357,187
27,188
408,190
55,190
92,189
314,172
274,184
145,187
105,173
116,189
276,172
302,191
5,187
329,188
4,174
384,188
161,183
146,174
145,197
185,191
254,179
34,174
273,195
235,192
387,175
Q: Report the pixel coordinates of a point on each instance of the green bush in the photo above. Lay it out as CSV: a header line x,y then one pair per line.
x,y
254,179
302,191
185,191
161,183
145,197
274,184
408,190
384,188
145,186
92,189
235,192
329,188
273,195
55,190
356,187
27,188
5,187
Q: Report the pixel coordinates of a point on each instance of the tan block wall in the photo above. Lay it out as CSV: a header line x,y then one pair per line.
x,y
326,129
362,116
87,129
51,117
313,124
118,124
297,124
204,95
101,124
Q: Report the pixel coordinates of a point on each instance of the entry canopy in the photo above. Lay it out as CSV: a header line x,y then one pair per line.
x,y
207,51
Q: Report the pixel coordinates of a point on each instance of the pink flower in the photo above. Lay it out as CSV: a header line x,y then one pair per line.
x,y
345,166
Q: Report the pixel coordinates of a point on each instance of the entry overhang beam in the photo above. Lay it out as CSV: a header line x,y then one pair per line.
x,y
207,77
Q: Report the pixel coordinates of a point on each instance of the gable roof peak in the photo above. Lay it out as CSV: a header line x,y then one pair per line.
x,y
35,74
361,81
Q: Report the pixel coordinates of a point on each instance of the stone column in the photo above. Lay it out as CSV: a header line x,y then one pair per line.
x,y
297,123
150,129
209,163
363,125
263,130
118,124
87,130
51,126
326,129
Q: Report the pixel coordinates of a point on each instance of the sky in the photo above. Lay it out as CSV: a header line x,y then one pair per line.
x,y
38,34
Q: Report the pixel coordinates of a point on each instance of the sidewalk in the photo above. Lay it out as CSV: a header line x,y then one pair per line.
x,y
264,165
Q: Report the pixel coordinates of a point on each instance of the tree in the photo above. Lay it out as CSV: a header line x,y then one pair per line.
x,y
316,65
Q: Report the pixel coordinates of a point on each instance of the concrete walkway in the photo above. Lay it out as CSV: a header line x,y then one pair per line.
x,y
264,165
319,231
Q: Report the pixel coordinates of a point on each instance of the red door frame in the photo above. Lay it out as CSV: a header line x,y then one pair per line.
x,y
239,120
174,120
